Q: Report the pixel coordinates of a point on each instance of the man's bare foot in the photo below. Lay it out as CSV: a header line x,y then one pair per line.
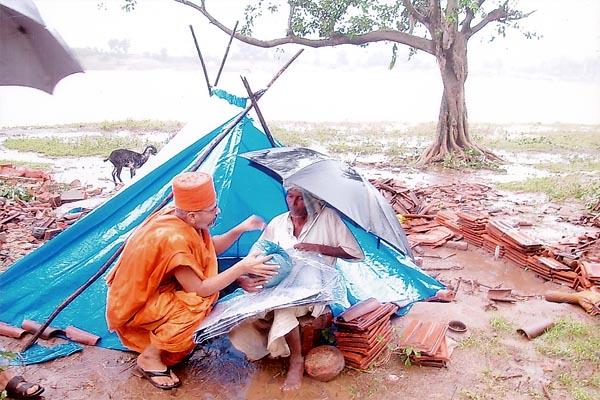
x,y
150,365
295,373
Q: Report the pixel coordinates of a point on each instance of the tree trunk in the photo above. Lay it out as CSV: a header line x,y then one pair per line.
x,y
452,135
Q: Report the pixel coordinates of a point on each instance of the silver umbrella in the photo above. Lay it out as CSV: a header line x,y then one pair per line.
x,y
31,54
337,184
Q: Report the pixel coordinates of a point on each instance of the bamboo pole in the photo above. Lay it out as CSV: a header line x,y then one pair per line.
x,y
226,53
254,101
201,62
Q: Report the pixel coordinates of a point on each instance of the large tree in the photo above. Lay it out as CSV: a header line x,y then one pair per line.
x,y
437,27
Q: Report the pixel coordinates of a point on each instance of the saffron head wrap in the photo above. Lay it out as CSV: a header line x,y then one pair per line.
x,y
193,191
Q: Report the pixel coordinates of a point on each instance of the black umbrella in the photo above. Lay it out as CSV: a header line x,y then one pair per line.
x,y
31,54
337,184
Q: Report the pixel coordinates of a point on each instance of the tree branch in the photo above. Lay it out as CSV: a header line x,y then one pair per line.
x,y
435,12
466,23
290,31
500,14
417,42
415,13
451,7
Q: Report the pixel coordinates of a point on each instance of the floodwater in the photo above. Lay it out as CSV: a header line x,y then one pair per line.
x,y
304,93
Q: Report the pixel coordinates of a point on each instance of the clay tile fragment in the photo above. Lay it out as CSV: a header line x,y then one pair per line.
x,y
11,331
536,328
33,327
81,336
359,309
501,295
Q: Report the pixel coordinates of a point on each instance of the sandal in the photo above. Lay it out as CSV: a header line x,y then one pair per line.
x,y
149,375
18,388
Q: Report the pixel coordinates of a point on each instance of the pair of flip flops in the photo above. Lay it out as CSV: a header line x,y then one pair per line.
x,y
19,388
149,375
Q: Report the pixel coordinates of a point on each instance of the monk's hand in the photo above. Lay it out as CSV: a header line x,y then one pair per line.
x,y
252,223
251,284
308,247
254,264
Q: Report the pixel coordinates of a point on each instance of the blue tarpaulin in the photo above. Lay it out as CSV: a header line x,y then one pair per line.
x,y
36,284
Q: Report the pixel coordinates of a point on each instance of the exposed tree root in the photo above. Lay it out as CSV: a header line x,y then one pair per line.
x,y
470,153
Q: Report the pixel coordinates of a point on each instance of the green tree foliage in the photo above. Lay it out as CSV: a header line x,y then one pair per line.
x,y
441,28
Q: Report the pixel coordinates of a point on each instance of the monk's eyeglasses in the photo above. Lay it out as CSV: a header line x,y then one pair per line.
x,y
209,210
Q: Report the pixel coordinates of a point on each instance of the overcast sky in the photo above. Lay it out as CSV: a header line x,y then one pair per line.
x,y
157,24
555,78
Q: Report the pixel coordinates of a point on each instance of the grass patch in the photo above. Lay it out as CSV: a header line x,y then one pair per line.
x,y
28,164
396,153
14,192
572,340
500,324
577,343
560,188
489,387
539,138
76,147
364,148
290,138
471,159
488,345
145,125
574,165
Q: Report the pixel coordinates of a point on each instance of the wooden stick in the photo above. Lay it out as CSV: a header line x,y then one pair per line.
x,y
206,151
254,101
226,53
428,216
201,62
278,74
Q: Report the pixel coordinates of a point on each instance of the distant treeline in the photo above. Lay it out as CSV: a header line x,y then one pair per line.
x,y
118,56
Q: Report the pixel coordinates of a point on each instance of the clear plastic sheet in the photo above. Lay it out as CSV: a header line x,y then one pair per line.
x,y
309,282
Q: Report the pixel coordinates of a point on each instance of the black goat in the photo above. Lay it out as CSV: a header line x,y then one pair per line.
x,y
127,158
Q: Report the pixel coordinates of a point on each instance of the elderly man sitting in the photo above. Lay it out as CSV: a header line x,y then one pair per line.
x,y
307,226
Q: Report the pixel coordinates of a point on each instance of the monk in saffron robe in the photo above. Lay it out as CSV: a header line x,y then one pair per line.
x,y
166,280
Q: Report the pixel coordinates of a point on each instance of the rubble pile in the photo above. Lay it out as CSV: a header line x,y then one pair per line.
x,y
443,215
28,213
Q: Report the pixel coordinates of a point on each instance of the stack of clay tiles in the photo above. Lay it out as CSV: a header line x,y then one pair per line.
x,y
471,225
588,275
513,244
551,269
428,340
364,331
449,219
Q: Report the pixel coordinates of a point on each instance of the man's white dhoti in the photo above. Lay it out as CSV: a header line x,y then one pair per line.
x,y
260,336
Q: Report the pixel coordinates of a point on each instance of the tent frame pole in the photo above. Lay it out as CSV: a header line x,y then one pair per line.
x,y
201,62
203,156
226,53
262,120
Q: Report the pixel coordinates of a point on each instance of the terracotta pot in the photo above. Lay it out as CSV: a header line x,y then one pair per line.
x,y
324,363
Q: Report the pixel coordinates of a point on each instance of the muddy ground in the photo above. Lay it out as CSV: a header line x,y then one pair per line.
x,y
490,360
